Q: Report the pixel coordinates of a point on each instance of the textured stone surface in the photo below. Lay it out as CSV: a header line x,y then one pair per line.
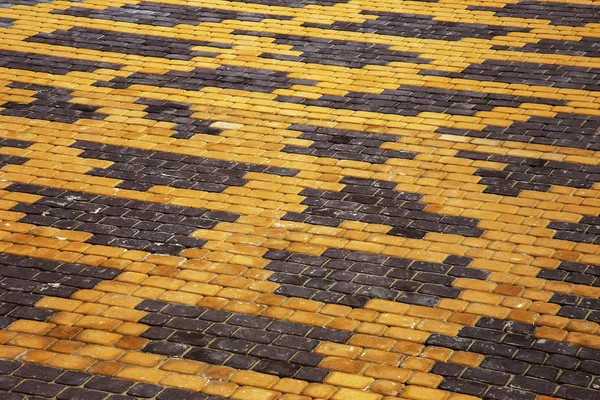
x,y
299,200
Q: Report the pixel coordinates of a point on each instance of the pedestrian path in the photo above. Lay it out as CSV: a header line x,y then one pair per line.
x,y
300,199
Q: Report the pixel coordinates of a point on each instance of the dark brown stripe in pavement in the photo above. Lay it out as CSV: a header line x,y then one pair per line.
x,y
180,114
118,222
413,100
528,73
346,145
523,173
159,14
49,64
6,22
237,340
142,169
517,365
353,278
224,77
578,131
19,381
127,43
50,104
417,26
294,3
558,13
343,53
584,47
24,281
376,202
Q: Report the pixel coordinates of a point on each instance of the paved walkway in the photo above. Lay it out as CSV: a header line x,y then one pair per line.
x,y
300,199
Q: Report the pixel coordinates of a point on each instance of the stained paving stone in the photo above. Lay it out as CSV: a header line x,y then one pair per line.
x,y
417,26
558,13
227,77
343,53
353,278
129,224
128,43
346,145
143,169
564,130
555,75
57,383
50,104
237,340
377,202
48,63
159,14
516,363
412,100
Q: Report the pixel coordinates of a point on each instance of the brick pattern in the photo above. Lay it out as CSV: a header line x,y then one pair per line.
x,y
413,100
346,145
48,63
142,169
22,381
158,14
186,127
119,222
226,77
352,278
335,52
299,200
531,174
128,43
237,340
418,26
50,104
564,130
518,365
377,203
557,13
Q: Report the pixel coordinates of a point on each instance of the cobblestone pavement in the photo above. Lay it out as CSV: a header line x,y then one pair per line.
x,y
300,199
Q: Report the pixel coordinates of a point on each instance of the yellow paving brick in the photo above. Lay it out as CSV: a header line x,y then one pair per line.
x,y
251,393
141,374
351,394
348,380
184,381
